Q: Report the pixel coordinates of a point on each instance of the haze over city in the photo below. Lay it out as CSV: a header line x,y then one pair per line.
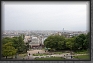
x,y
45,16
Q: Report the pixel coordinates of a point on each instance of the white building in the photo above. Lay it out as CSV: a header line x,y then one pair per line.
x,y
27,38
34,42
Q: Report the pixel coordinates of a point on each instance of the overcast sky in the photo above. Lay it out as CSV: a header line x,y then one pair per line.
x,y
72,16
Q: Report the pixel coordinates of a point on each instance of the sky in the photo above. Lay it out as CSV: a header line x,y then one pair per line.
x,y
72,16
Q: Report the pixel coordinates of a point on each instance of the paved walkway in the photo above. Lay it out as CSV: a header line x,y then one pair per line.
x,y
64,55
36,51
57,55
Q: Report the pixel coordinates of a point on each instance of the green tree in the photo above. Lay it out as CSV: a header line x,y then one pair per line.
x,y
70,43
6,40
55,42
86,41
20,45
60,45
8,49
27,46
79,41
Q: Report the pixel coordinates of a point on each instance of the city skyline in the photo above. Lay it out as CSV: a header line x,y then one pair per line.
x,y
72,16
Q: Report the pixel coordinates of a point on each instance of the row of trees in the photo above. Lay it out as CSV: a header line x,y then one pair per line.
x,y
13,46
57,42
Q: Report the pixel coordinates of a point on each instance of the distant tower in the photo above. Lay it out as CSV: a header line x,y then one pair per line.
x,y
63,30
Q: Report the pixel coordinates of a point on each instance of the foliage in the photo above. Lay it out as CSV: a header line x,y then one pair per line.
x,y
70,43
57,42
81,42
17,43
8,49
6,40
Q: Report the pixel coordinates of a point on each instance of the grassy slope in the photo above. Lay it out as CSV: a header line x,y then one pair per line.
x,y
82,57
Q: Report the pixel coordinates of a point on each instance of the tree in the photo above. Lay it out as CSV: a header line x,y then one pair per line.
x,y
27,46
17,46
60,45
86,41
70,43
6,40
55,42
80,41
8,49
21,45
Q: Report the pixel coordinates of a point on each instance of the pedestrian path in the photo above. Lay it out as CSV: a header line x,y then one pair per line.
x,y
64,55
29,57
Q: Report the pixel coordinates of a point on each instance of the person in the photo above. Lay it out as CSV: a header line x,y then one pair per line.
x,y
23,58
71,56
64,56
38,52
29,54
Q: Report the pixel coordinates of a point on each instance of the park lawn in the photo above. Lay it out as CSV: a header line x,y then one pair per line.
x,y
81,52
23,55
50,58
57,52
83,57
